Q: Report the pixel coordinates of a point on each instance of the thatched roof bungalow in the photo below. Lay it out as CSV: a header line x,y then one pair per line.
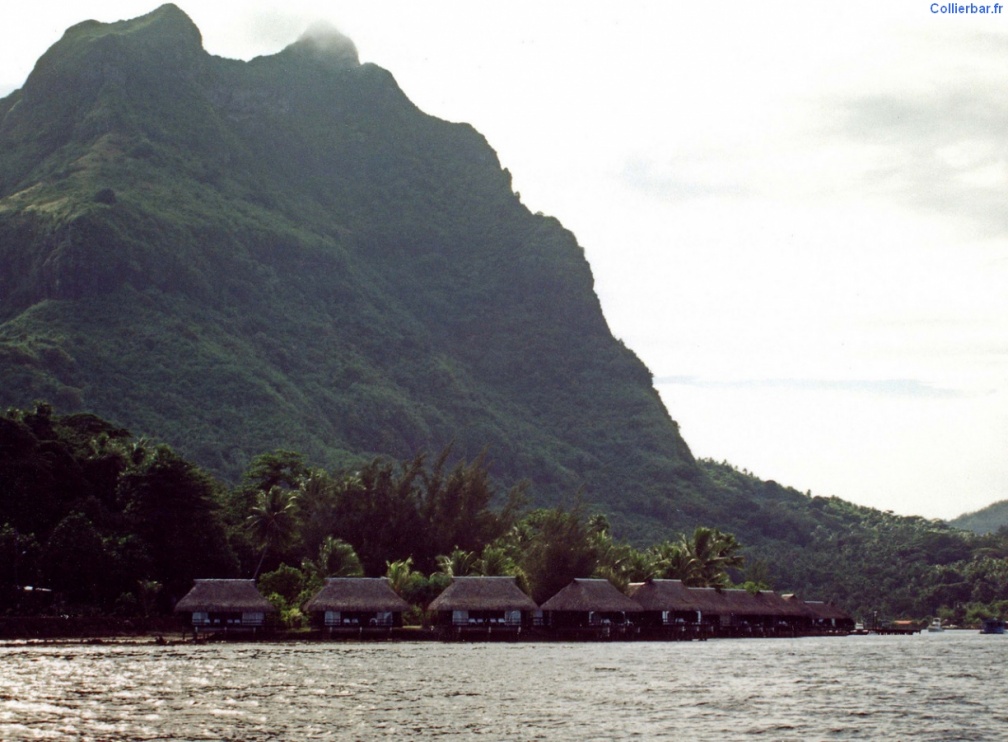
x,y
483,603
741,612
666,603
589,603
225,605
357,603
826,617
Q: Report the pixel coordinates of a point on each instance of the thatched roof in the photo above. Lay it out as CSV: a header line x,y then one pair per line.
x,y
591,595
664,595
224,596
721,601
709,600
364,594
826,611
483,594
773,604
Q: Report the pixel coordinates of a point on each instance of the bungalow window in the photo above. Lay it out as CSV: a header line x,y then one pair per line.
x,y
512,618
332,618
253,618
383,618
460,618
200,618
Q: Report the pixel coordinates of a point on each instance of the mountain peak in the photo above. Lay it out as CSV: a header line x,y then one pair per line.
x,y
326,43
91,52
169,20
165,26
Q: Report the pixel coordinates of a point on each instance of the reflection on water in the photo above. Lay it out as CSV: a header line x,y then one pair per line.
x,y
927,686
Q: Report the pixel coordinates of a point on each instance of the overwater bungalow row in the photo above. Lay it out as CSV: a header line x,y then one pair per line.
x,y
495,608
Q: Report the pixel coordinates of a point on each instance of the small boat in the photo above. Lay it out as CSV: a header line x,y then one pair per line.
x,y
992,626
859,629
936,626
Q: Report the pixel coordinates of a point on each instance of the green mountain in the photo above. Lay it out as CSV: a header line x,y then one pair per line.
x,y
986,520
286,253
237,257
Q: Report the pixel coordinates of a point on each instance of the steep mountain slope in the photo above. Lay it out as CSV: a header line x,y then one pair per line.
x,y
235,257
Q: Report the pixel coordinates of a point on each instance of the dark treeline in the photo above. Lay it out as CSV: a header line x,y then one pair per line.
x,y
118,525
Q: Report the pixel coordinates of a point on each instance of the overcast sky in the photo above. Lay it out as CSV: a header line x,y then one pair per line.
x,y
795,212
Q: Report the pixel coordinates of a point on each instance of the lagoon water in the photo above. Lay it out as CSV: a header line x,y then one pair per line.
x,y
927,686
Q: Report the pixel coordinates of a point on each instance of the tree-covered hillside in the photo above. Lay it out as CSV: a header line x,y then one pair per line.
x,y
860,557
236,257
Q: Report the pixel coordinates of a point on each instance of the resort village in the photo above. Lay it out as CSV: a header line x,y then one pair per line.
x,y
495,608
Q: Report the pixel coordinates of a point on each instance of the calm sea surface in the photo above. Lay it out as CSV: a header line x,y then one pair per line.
x,y
927,686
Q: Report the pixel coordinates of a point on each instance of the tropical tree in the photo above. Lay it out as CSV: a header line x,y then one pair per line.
x,y
710,555
617,562
172,508
376,512
553,546
272,520
279,468
670,561
336,558
317,509
399,574
495,562
455,505
622,564
457,564
74,559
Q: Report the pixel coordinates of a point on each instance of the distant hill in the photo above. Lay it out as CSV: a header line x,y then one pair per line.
x,y
986,520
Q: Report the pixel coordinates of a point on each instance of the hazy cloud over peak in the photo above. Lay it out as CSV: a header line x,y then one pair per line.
x,y
328,42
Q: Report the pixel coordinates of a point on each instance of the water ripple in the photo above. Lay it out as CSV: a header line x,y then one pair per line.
x,y
924,687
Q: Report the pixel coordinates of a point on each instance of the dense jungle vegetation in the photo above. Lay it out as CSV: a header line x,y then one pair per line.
x,y
121,525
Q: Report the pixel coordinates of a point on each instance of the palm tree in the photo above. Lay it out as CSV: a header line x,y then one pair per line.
x,y
495,562
399,573
457,564
671,562
272,520
710,554
336,558
317,496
